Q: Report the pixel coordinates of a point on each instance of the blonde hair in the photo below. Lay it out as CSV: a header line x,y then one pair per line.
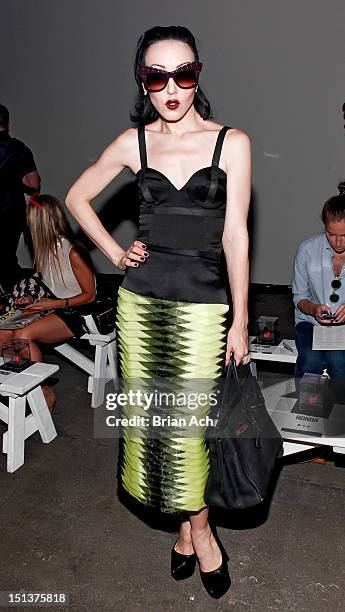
x,y
47,223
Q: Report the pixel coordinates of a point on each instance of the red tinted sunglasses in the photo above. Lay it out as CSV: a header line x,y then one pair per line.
x,y
156,79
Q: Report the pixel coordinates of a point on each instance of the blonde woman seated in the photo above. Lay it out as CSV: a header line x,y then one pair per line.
x,y
66,270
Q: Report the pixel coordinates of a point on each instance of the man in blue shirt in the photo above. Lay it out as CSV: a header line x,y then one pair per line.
x,y
318,287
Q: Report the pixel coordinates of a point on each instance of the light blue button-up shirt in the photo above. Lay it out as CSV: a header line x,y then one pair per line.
x,y
312,276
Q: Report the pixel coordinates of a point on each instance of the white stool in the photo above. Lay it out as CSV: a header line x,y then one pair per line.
x,y
104,366
19,387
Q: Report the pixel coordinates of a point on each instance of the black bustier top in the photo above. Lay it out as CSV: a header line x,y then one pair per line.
x,y
182,229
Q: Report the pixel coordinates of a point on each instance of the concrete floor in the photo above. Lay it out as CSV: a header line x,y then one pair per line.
x,y
64,529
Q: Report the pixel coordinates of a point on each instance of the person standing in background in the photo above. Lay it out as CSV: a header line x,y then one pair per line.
x,y
18,175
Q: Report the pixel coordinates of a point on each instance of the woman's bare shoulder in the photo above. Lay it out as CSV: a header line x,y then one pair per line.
x,y
237,134
212,126
124,140
79,252
236,140
236,148
231,134
121,149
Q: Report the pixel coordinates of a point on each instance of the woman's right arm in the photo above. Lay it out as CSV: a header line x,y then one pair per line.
x,y
117,156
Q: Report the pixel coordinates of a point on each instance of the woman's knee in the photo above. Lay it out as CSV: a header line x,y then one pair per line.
x,y
5,336
23,334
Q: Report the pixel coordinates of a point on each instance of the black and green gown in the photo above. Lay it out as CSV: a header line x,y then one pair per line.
x,y
171,329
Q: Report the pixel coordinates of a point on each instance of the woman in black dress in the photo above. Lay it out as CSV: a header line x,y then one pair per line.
x,y
194,189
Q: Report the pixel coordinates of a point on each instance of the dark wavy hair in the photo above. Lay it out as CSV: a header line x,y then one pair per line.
x,y
334,208
145,111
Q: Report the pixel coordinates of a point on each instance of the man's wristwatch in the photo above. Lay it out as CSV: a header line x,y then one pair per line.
x,y
66,302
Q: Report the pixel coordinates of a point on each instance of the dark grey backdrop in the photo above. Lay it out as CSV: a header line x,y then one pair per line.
x,y
273,68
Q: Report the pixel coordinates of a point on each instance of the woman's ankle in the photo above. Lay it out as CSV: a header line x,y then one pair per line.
x,y
184,543
185,530
184,547
206,548
201,532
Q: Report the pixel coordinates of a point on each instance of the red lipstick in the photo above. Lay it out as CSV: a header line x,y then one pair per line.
x,y
172,104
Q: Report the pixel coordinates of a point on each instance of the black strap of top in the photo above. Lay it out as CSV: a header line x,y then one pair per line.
x,y
143,161
142,146
215,161
219,144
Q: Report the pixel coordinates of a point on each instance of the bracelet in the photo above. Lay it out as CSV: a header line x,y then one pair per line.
x,y
66,302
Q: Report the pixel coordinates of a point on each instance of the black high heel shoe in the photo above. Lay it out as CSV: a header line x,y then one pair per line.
x,y
218,581
182,566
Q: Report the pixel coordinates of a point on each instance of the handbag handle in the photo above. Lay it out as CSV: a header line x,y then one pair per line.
x,y
232,371
234,367
232,364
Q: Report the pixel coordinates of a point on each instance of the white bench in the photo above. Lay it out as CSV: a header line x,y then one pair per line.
x,y
19,388
279,353
104,366
304,431
287,422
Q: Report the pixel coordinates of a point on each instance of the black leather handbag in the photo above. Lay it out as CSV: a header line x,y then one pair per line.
x,y
243,445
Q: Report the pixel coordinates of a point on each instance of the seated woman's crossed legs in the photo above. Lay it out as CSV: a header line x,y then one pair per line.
x,y
47,330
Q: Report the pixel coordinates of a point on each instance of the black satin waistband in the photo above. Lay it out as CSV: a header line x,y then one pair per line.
x,y
188,252
179,210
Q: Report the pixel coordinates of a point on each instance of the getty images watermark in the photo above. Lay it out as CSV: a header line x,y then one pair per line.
x,y
179,407
147,401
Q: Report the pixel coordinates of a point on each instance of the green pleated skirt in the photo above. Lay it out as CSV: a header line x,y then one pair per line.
x,y
173,350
